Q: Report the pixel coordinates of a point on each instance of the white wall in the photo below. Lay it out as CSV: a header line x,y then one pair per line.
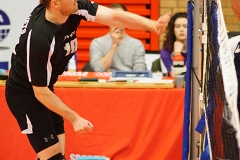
x,y
17,12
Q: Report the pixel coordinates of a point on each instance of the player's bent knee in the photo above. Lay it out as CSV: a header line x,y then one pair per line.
x,y
58,156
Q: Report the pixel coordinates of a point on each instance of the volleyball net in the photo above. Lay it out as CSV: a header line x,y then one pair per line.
x,y
219,88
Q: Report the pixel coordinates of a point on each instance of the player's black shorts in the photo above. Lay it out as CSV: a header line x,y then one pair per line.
x,y
39,123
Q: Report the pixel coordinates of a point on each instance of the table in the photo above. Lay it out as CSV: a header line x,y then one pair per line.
x,y
129,124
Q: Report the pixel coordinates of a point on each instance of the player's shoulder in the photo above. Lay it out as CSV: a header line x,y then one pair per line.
x,y
42,36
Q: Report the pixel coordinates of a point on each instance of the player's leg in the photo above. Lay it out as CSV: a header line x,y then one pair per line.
x,y
60,145
50,151
44,138
35,120
58,156
61,138
59,128
53,152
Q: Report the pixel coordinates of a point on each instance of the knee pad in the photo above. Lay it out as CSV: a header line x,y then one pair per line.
x,y
58,156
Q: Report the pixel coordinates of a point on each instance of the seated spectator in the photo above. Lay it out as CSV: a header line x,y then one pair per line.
x,y
175,43
117,50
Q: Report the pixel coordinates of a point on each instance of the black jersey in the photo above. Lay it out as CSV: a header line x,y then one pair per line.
x,y
44,48
234,44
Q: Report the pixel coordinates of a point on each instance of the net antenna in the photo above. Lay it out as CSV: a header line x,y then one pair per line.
x,y
219,86
191,139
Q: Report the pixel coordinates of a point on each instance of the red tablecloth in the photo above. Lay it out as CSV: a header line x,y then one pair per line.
x,y
129,124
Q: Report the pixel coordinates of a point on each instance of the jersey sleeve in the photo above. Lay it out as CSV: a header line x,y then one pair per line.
x,y
38,66
87,10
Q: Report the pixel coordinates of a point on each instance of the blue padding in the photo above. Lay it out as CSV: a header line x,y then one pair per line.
x,y
205,154
4,65
201,124
187,97
206,142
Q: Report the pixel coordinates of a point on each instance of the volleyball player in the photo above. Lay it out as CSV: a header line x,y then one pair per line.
x,y
47,42
234,44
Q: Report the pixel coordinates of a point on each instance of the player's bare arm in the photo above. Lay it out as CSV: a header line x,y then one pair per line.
x,y
52,102
130,20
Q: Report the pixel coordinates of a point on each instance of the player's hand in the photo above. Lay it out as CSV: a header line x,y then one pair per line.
x,y
116,34
178,46
81,125
162,23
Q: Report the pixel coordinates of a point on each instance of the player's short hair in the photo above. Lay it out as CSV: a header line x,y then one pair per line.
x,y
118,5
46,3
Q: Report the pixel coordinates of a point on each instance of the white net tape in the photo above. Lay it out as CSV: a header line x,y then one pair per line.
x,y
228,73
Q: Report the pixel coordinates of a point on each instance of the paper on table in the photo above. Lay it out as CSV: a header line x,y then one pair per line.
x,y
155,79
